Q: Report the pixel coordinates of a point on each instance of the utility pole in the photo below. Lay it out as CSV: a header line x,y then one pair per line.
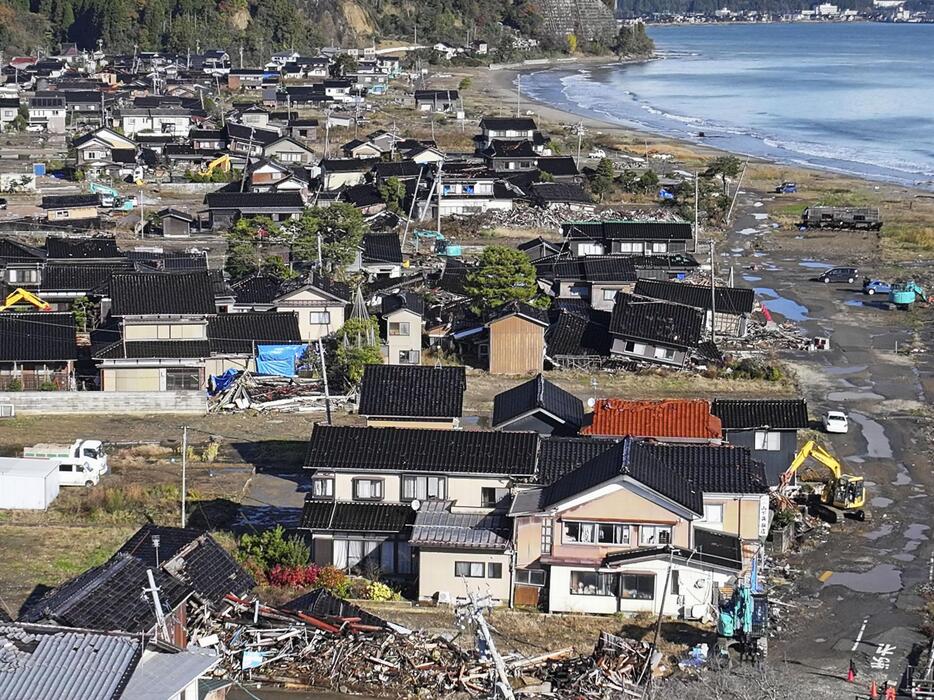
x,y
580,136
408,220
696,204
246,165
713,296
241,56
518,92
153,592
439,201
324,376
184,473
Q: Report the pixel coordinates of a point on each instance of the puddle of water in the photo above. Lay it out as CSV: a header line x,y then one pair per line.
x,y
902,477
856,460
878,443
757,204
737,250
883,578
760,216
911,545
854,302
904,557
777,304
815,264
854,396
882,531
880,501
852,369
915,531
751,278
747,231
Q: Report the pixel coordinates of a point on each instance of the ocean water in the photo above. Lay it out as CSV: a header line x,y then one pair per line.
x,y
856,98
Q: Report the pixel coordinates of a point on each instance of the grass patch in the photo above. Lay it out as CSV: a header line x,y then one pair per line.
x,y
909,236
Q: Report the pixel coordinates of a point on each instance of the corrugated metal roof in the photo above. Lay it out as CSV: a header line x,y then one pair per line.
x,y
672,418
161,675
436,526
38,664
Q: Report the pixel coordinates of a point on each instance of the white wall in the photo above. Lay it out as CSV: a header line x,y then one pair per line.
x,y
21,490
436,574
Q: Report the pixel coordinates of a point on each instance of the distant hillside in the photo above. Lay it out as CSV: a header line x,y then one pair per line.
x,y
264,26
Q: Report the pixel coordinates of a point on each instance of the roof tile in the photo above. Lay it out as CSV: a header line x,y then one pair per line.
x,y
672,418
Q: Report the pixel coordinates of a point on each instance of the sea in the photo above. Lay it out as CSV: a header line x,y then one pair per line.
x,y
856,98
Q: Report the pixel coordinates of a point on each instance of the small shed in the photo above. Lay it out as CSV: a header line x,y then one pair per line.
x,y
517,339
27,484
175,223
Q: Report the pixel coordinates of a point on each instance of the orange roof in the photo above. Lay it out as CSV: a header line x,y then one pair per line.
x,y
662,419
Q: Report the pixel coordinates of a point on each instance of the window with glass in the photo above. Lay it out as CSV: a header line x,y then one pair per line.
x,y
399,328
494,570
635,348
409,357
530,577
403,558
357,554
659,247
488,497
368,489
637,586
319,318
770,440
610,533
654,534
609,294
713,513
548,526
596,533
469,569
322,487
580,533
664,354
423,487
592,583
182,379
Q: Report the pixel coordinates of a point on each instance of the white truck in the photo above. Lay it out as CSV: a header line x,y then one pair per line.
x,y
82,463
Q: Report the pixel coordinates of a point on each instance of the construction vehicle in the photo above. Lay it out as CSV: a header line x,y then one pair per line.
x,y
867,218
904,294
843,493
81,463
111,198
19,295
222,162
442,245
742,623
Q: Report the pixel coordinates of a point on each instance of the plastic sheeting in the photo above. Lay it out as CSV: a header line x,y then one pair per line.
x,y
278,359
218,382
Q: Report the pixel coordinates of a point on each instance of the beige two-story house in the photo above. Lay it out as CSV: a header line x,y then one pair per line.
x,y
402,315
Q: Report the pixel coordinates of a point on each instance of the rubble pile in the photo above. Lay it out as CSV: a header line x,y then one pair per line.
x,y
359,653
553,217
270,393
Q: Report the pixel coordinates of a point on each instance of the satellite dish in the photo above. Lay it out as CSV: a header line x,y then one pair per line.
x,y
416,504
591,402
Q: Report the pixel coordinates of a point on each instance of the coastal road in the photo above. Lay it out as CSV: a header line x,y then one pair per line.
x,y
853,590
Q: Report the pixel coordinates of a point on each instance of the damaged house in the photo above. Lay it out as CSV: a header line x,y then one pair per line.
x,y
658,332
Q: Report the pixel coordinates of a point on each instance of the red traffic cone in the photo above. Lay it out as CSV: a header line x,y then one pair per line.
x,y
873,690
851,672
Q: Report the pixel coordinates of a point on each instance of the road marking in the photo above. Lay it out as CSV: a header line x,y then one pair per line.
x,y
824,576
859,637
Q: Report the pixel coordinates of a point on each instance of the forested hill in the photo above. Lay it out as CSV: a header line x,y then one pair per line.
x,y
259,26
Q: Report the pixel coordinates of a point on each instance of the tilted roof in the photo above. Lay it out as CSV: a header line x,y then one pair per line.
x,y
727,300
610,268
240,333
579,333
436,526
144,294
671,418
627,230
37,337
422,450
713,468
538,394
382,247
776,414
412,391
87,247
559,455
319,514
656,321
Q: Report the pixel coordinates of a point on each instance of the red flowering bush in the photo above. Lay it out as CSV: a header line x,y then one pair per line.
x,y
331,578
294,576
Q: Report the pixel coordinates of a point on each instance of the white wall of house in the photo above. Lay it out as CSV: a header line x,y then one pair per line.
x,y
436,574
404,337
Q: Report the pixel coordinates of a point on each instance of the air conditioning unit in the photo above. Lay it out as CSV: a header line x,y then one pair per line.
x,y
7,410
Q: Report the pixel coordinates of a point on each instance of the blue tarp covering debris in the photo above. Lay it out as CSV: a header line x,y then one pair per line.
x,y
218,382
278,359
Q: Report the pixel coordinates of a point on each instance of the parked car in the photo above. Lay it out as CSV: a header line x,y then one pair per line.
x,y
839,274
597,153
871,287
836,422
786,188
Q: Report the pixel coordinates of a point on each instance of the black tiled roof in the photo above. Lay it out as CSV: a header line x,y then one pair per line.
x,y
578,334
346,165
546,192
558,456
96,247
507,124
362,195
13,252
382,247
657,321
193,557
538,394
355,516
69,201
171,261
260,136
712,468
729,300
628,458
558,165
776,414
672,261
412,391
109,597
627,230
37,337
444,95
510,149
143,349
254,200
79,277
402,168
612,268
324,605
403,300
257,289
143,294
402,449
240,333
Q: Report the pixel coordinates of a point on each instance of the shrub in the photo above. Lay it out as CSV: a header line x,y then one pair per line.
x,y
333,579
14,385
255,570
379,591
272,547
48,386
293,576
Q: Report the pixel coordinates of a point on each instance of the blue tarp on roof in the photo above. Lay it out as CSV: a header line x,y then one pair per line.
x,y
278,359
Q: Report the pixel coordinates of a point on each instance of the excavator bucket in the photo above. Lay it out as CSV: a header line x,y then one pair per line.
x,y
19,295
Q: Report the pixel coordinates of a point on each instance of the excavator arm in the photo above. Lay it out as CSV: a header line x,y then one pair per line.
x,y
19,294
222,162
811,449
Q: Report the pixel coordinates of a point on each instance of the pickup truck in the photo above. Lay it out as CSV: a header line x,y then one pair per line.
x,y
81,463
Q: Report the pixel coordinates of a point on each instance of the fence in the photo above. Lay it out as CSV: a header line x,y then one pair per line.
x,y
105,402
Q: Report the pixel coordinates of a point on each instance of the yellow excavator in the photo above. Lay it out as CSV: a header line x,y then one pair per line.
x,y
843,492
222,162
19,295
